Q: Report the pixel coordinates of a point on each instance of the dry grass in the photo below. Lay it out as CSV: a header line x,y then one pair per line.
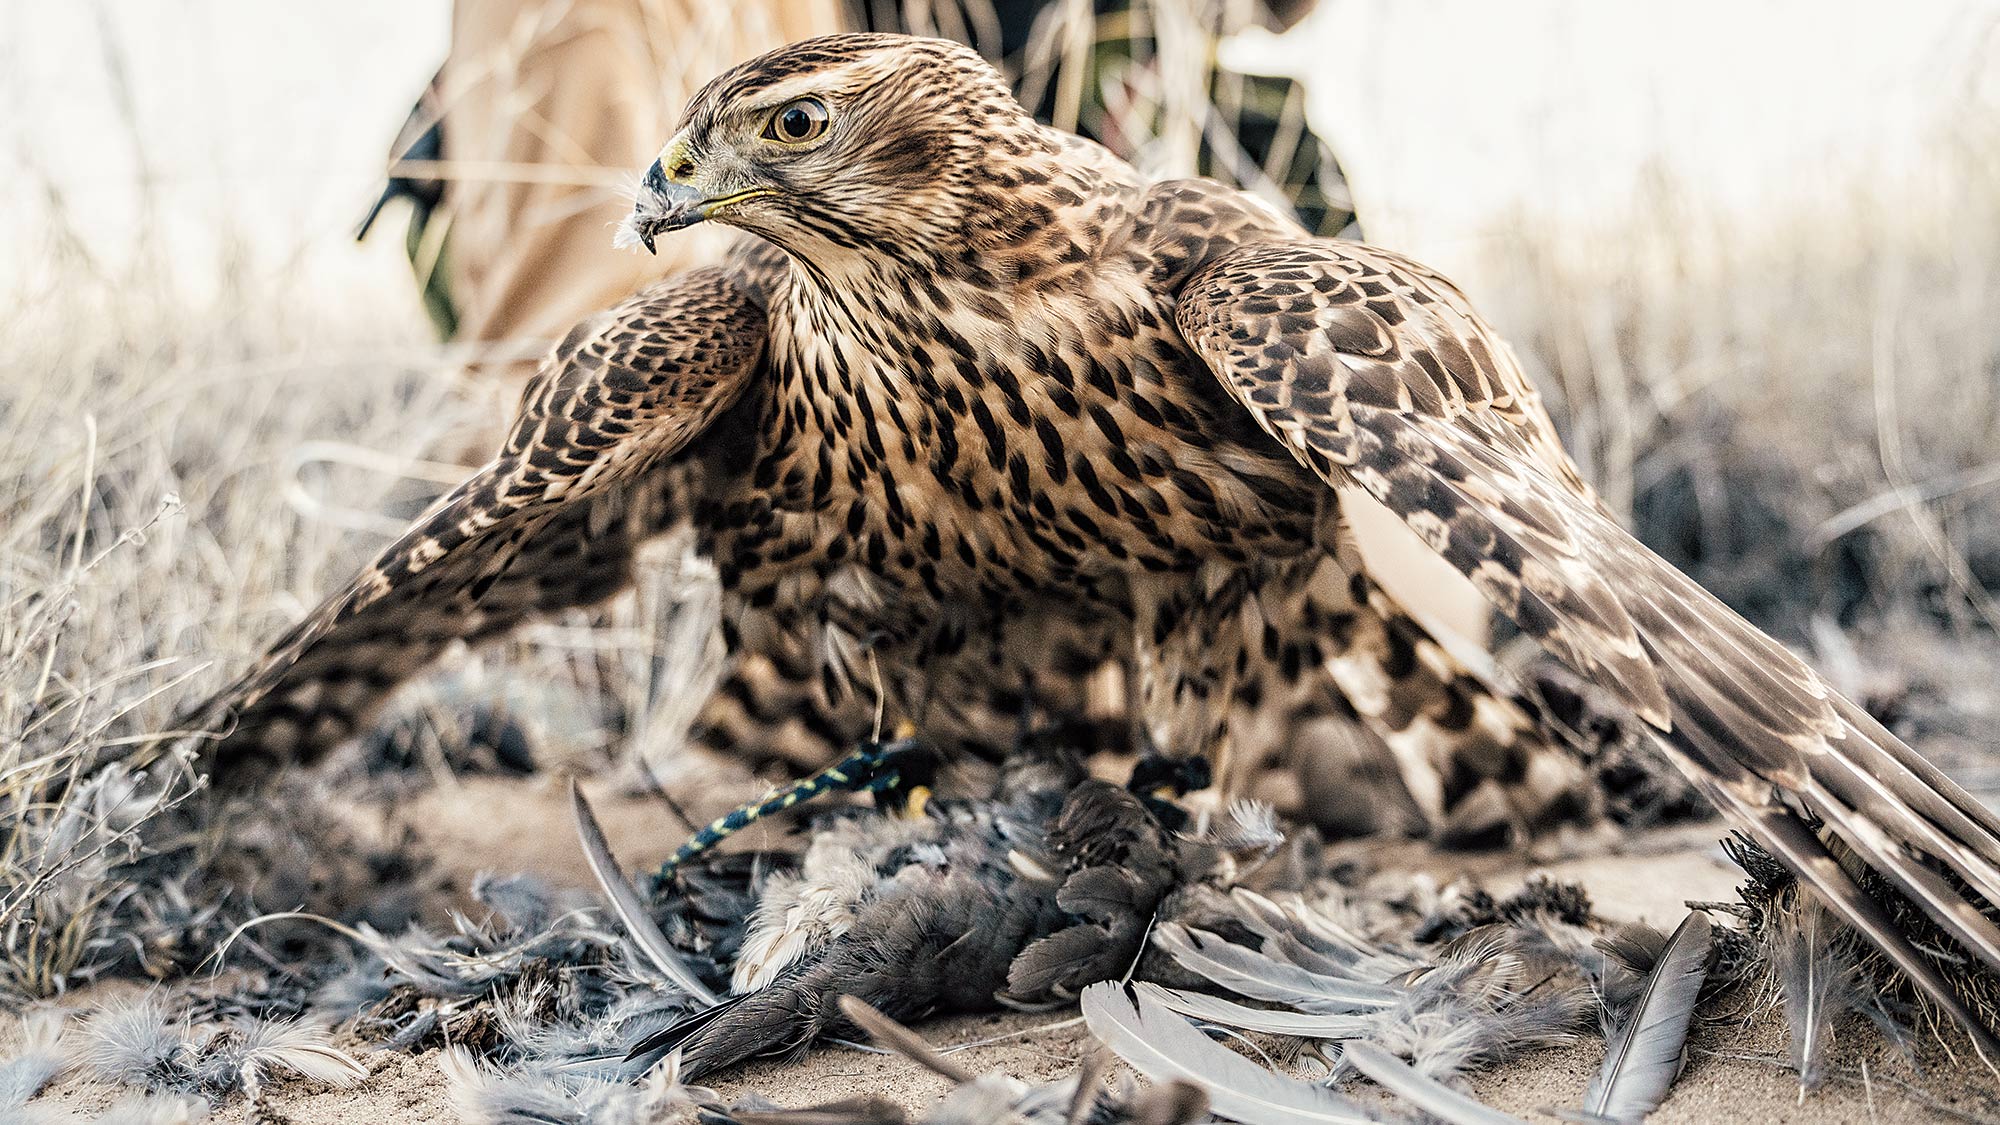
x,y
1804,414
148,545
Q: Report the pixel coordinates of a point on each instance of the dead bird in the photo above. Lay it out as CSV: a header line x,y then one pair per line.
x,y
764,915
928,914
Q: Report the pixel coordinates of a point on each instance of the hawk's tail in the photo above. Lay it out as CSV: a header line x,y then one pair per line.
x,y
1863,818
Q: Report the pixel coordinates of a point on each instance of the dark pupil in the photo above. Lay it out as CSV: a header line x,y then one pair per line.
x,y
796,122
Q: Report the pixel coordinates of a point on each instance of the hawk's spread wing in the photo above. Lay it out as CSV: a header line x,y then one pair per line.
x,y
1375,372
549,523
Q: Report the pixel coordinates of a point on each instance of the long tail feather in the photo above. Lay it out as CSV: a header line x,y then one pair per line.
x,y
639,925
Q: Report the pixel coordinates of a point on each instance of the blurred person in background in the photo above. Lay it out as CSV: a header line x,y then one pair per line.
x,y
517,163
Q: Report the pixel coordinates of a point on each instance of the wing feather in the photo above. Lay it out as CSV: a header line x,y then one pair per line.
x,y
550,523
1376,374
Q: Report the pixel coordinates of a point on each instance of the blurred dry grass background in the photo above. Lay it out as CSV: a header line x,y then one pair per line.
x,y
1803,409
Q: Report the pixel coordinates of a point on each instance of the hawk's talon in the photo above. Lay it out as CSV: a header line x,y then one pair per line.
x,y
1160,781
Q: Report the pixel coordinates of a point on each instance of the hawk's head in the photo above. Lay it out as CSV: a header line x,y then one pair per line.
x,y
841,144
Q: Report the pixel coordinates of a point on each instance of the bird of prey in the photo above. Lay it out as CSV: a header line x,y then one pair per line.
x,y
977,392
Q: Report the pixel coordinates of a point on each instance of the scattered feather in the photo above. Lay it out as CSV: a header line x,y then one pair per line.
x,y
1427,1094
137,1042
1280,936
1645,1056
484,1095
37,1060
894,1036
1163,1047
1090,1087
1307,937
985,1100
161,1110
272,1046
1169,1103
1250,826
847,1111
639,925
1629,953
1808,972
1271,1021
1490,993
133,1041
1249,973
1811,956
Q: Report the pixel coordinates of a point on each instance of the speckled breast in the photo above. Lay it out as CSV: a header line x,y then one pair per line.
x,y
967,456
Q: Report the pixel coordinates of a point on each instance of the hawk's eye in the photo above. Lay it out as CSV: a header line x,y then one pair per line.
x,y
797,122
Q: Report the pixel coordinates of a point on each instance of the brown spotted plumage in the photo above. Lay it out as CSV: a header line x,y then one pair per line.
x,y
995,403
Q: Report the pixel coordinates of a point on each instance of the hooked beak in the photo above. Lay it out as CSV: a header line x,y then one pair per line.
x,y
662,206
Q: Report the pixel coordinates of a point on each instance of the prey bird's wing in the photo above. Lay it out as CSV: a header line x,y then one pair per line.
x,y
549,523
1376,373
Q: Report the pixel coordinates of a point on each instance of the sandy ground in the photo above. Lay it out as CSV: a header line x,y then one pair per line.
x,y
1735,1070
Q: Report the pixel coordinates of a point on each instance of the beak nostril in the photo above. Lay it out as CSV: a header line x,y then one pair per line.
x,y
683,170
663,203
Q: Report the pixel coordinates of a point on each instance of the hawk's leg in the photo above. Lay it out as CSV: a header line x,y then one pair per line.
x,y
898,773
1479,765
1189,652
768,711
1314,757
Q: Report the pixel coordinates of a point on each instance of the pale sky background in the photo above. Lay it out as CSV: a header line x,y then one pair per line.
x,y
1454,110
271,118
